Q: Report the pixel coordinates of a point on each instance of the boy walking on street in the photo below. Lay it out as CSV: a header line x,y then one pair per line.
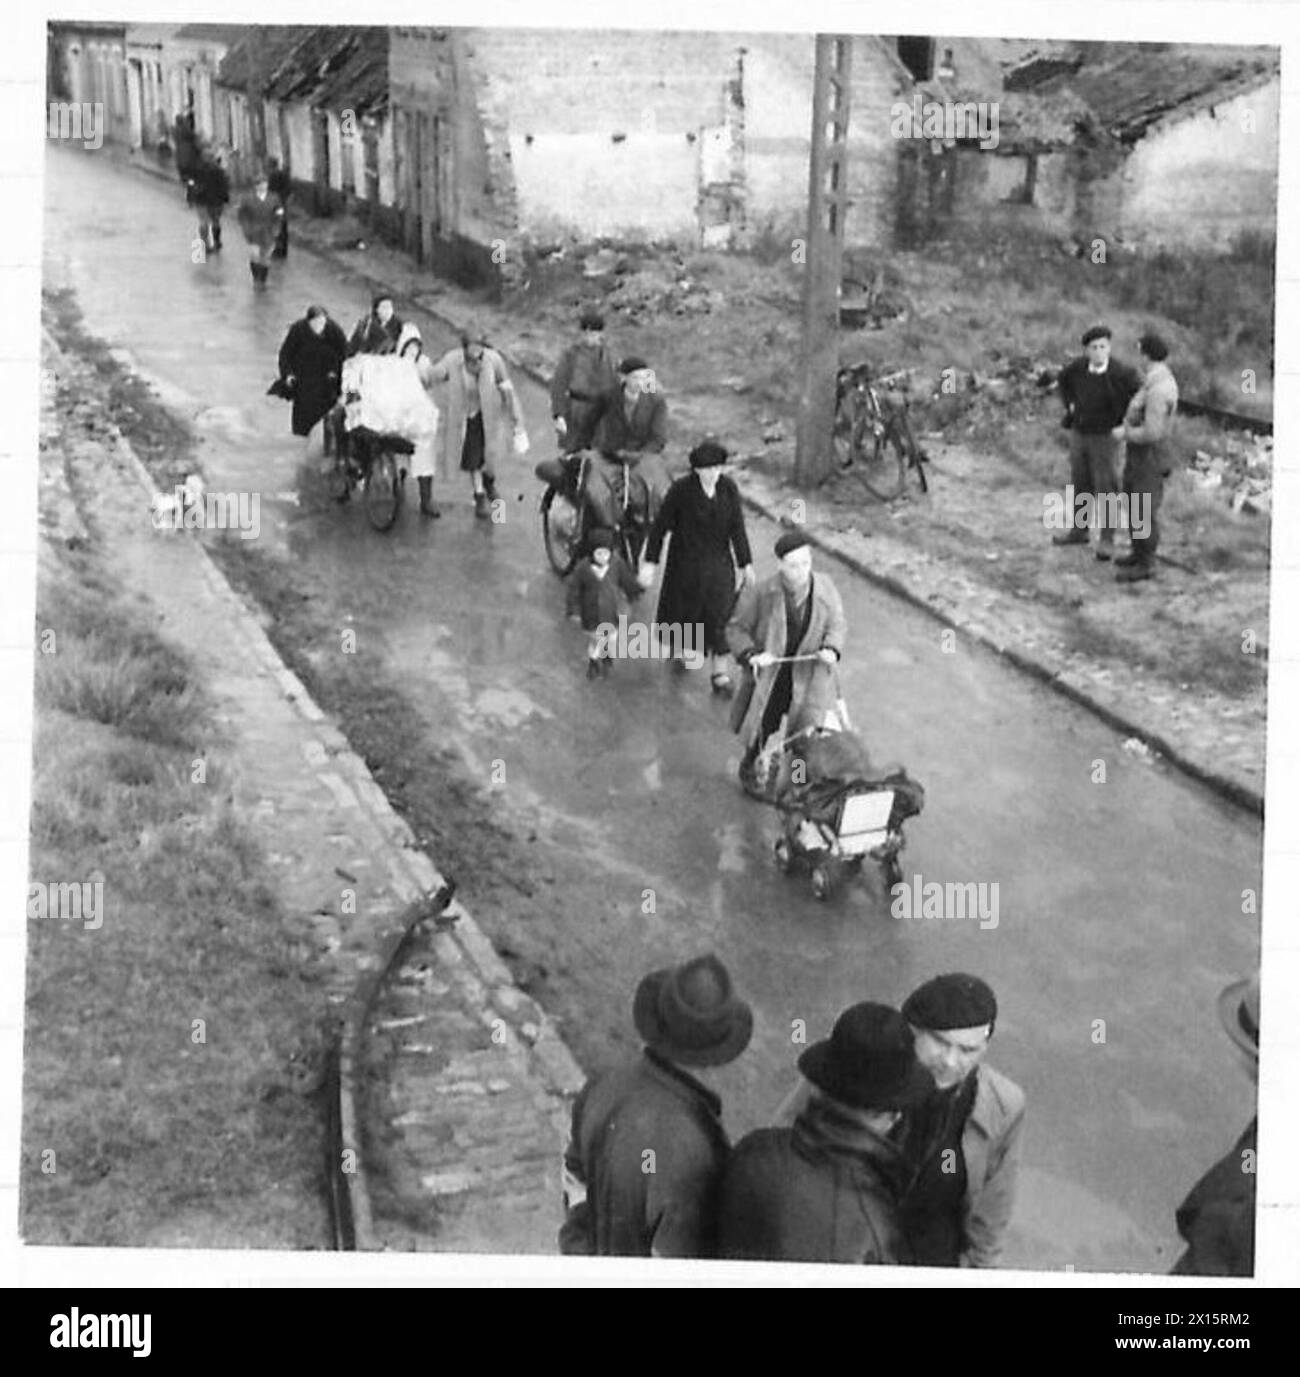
x,y
593,599
1096,390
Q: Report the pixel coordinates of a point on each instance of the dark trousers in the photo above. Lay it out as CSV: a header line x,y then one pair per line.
x,y
1094,461
580,419
1144,477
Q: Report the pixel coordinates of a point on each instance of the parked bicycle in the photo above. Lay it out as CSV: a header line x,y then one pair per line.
x,y
876,436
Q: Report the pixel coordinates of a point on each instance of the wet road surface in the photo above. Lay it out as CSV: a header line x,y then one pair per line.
x,y
1119,903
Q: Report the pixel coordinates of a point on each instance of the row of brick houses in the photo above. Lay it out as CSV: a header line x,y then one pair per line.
x,y
454,142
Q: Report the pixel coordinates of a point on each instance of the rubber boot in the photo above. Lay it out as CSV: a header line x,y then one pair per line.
x,y
428,507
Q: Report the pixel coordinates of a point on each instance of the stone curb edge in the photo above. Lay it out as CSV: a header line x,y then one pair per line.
x,y
416,880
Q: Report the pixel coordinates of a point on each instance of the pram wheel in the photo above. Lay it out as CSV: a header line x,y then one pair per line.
x,y
784,853
824,879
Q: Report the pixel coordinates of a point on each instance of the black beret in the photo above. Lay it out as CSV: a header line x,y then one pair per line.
x,y
708,454
1096,332
791,540
602,538
951,1001
632,364
591,320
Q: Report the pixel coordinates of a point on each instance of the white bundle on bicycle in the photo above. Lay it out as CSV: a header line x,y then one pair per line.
x,y
383,392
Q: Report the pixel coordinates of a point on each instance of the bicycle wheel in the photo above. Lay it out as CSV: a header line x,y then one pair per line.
x,y
885,469
916,456
383,495
561,530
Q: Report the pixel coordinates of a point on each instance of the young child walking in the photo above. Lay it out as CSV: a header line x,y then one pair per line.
x,y
593,599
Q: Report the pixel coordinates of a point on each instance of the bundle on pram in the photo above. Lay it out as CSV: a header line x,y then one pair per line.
x,y
839,809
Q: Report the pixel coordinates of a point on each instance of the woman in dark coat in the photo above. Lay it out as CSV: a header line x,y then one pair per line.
x,y
311,366
703,515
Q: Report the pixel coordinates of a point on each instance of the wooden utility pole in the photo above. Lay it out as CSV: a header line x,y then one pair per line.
x,y
827,203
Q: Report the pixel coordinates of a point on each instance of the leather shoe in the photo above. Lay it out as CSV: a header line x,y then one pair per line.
x,y
1105,552
1070,538
1133,573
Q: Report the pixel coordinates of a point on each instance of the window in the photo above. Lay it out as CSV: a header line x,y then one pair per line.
x,y
917,55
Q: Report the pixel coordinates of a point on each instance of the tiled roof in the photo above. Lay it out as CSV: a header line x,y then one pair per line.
x,y
1131,87
338,68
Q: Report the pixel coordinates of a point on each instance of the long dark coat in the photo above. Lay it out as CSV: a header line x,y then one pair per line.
x,y
316,361
617,1207
700,579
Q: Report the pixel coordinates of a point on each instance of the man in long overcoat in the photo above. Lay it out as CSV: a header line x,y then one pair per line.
x,y
260,215
209,192
793,613
642,1167
828,1188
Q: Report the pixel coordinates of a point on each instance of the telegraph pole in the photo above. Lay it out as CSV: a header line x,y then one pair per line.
x,y
827,203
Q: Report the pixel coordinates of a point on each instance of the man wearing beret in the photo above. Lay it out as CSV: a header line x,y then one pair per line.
x,y
961,1143
964,1143
1096,390
633,430
793,613
827,1188
643,1164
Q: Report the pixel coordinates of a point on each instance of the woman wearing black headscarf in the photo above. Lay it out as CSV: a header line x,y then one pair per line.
x,y
703,515
311,366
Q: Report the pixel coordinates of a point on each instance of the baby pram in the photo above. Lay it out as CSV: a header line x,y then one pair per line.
x,y
838,810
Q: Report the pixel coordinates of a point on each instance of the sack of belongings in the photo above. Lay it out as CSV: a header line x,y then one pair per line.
x,y
383,393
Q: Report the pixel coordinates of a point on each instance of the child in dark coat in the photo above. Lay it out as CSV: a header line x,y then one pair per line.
x,y
593,599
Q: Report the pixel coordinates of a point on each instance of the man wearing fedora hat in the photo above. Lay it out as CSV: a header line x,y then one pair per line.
x,y
647,1147
827,1188
1217,1219
962,1143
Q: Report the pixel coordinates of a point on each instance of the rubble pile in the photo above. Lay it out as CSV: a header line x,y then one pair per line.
x,y
1242,472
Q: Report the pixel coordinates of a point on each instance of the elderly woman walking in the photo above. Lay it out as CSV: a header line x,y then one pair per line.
x,y
702,514
311,367
483,415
